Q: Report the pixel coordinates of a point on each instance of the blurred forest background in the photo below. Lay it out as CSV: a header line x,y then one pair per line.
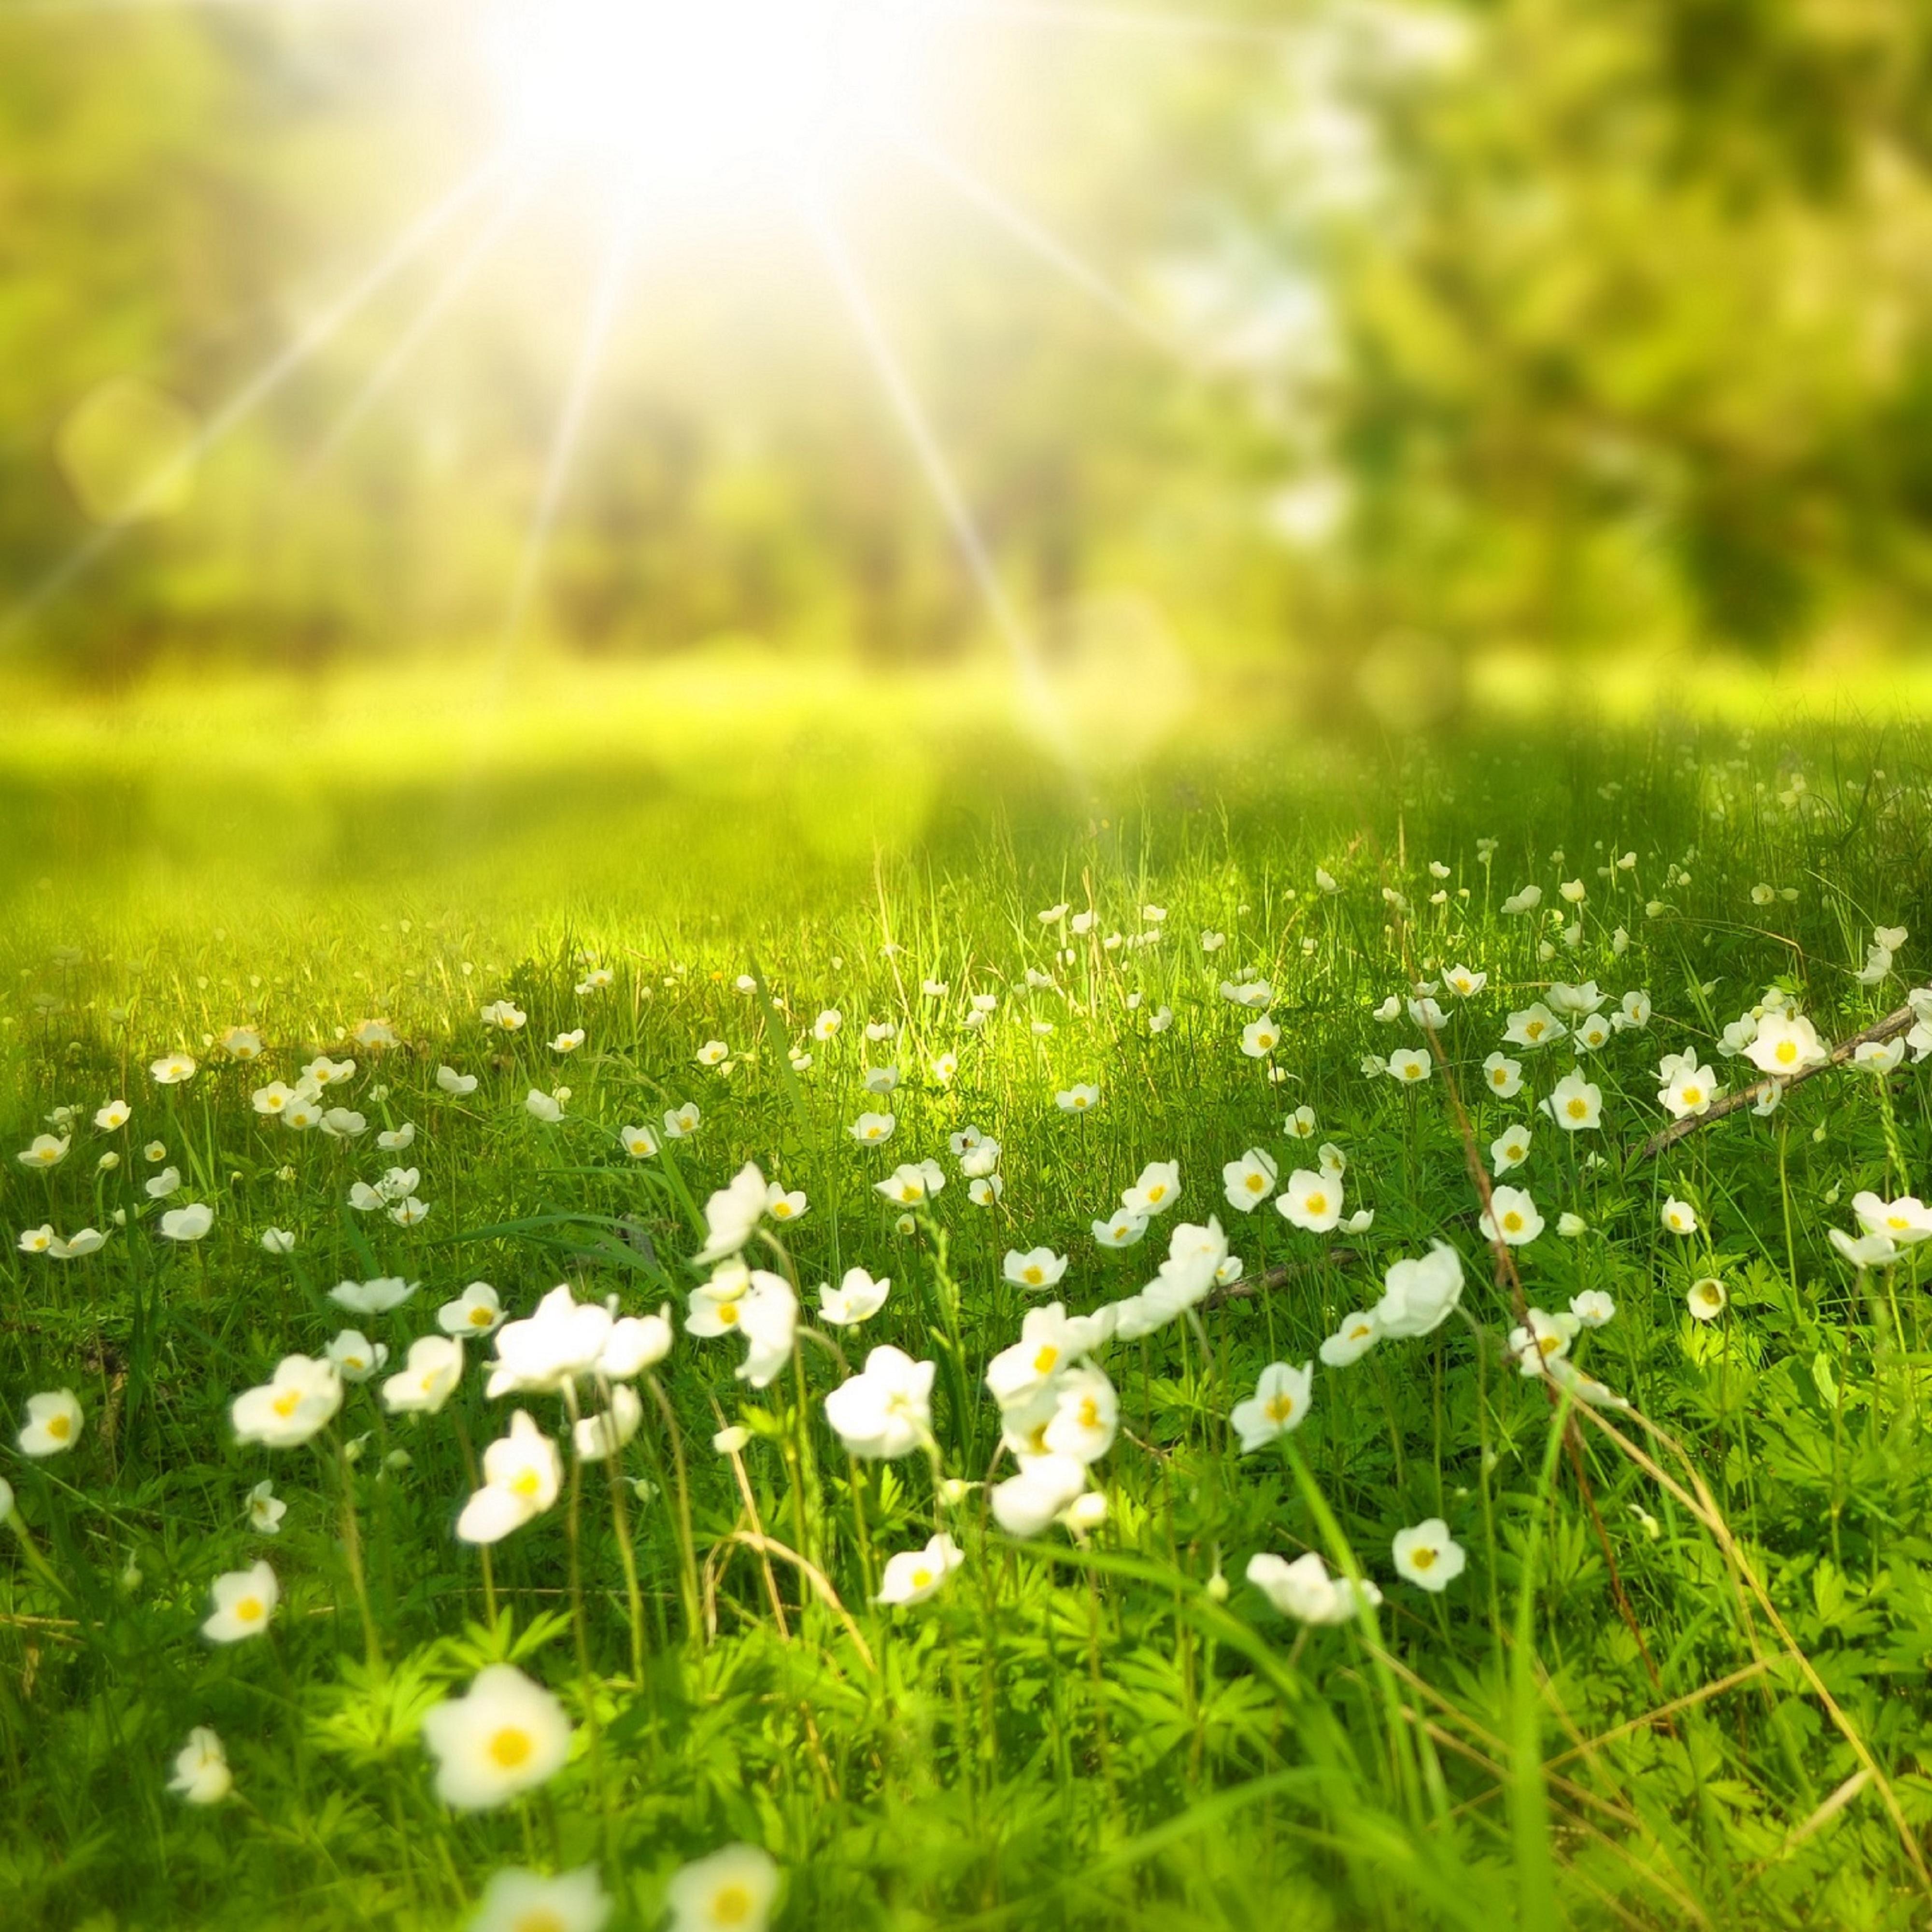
x,y
1541,325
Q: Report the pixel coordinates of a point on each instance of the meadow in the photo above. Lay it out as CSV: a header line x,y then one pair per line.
x,y
842,1331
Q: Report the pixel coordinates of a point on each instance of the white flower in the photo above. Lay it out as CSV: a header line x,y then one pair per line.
x,y
1086,1415
1543,1339
1079,1099
1512,1218
1464,983
1880,1056
1312,1201
202,1776
46,1150
1504,1075
516,1900
1408,1066
542,1106
886,1411
562,1340
1161,1019
637,1343
857,1298
680,1123
1156,1191
1527,900
355,1356
1419,1296
1688,1088
501,1013
912,1182
1304,1590
427,1378
640,1143
322,1072
478,1311
1509,1150
376,1297
869,1129
1678,1216
1534,1026
1259,1038
41,1240
1786,1044
598,1438
522,1473
1428,1555
244,1600
113,1117
1123,1230
1279,1405
265,1509
1036,1269
768,1317
460,1085
1574,1103
82,1242
1706,1299
1246,1182
506,1737
299,1401
53,1424
172,1069
1905,1221
912,1576
1865,1251
880,1080
731,1890
1046,1486
186,1224
278,1240
827,1024
1356,1335
732,1215
1300,1125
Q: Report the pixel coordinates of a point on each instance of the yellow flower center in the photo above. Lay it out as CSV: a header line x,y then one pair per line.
x,y
1422,1558
1786,1051
727,1313
538,1919
731,1905
1549,1344
249,1609
479,1317
1499,1077
922,1578
1318,1203
1043,1362
1157,1192
1256,1183
1279,1408
1033,1274
1512,1221
1576,1107
1535,1030
510,1748
1090,1413
286,1404
1694,1096
525,1482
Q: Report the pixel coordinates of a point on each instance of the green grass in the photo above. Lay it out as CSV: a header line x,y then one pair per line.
x,y
1728,1728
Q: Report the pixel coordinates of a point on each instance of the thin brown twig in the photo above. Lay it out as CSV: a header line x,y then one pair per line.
x,y
1890,1027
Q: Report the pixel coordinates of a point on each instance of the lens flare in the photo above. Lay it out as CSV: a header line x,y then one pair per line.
x,y
708,100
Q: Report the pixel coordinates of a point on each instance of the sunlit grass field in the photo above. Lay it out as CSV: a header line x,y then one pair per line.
x,y
984,1643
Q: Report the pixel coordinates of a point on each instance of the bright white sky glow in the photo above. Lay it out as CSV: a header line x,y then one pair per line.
x,y
701,101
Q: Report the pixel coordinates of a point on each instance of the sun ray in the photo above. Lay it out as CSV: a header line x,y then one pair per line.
x,y
482,245
597,323
253,393
1042,242
938,473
